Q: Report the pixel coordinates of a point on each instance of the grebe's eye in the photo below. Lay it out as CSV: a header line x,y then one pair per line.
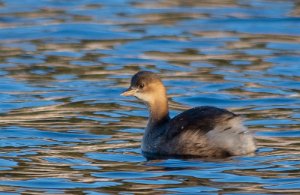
x,y
141,86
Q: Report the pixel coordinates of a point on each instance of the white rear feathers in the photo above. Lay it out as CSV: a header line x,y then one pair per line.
x,y
234,137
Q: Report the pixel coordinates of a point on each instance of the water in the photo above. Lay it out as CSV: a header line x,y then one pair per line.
x,y
65,129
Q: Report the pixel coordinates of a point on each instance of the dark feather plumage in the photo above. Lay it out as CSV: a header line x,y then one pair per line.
x,y
201,119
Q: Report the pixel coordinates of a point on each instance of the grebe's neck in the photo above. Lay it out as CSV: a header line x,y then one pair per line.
x,y
158,108
157,103
159,111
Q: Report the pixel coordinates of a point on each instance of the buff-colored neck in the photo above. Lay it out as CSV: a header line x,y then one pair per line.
x,y
158,107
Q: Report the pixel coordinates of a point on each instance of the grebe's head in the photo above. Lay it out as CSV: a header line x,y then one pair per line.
x,y
146,86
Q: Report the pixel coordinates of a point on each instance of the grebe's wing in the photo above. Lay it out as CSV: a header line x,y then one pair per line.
x,y
199,119
216,127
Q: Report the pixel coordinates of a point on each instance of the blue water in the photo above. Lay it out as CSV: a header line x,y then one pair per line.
x,y
66,130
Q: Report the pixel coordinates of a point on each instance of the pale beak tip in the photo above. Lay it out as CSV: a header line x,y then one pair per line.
x,y
128,92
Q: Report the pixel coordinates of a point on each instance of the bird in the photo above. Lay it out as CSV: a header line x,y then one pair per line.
x,y
203,131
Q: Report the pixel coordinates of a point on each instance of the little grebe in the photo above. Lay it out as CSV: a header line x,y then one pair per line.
x,y
203,131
